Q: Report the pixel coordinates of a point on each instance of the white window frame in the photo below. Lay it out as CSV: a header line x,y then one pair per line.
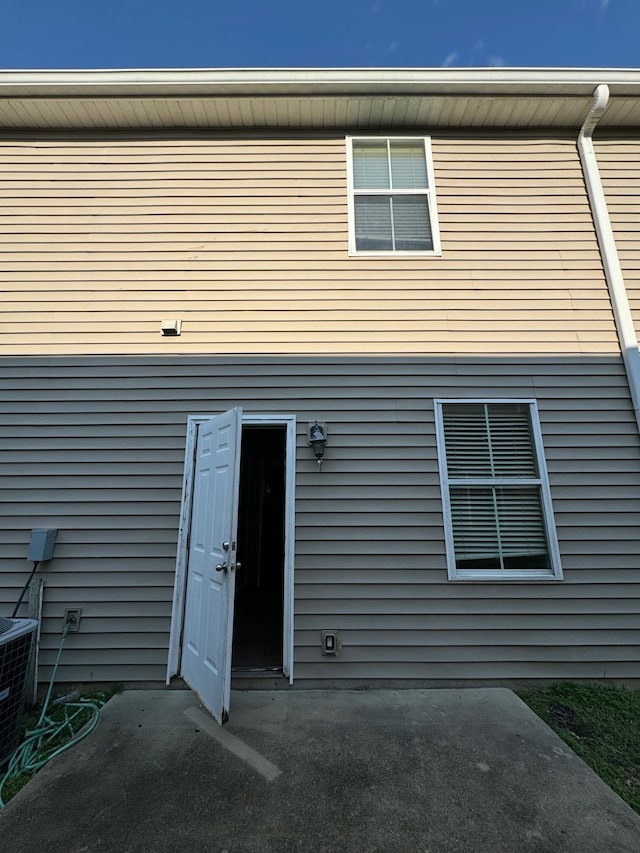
x,y
542,481
430,193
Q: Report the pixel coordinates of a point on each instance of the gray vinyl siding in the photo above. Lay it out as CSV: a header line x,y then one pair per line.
x,y
95,447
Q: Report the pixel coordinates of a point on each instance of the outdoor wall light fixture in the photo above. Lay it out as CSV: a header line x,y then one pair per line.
x,y
317,438
171,328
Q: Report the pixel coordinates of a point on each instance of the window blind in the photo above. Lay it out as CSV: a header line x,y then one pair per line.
x,y
391,203
494,488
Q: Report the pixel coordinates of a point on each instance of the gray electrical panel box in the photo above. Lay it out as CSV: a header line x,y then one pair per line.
x,y
41,544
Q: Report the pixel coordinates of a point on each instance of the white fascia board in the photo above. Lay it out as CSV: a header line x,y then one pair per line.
x,y
314,81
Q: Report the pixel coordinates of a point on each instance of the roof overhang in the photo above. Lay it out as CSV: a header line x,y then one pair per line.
x,y
515,98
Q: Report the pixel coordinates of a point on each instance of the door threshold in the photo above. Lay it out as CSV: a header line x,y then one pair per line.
x,y
256,672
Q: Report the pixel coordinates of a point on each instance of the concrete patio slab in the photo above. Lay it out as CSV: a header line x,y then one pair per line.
x,y
431,771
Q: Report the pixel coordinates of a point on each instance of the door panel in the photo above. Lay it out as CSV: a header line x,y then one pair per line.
x,y
208,619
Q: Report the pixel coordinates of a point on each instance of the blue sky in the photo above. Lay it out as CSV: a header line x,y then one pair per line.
x,y
329,33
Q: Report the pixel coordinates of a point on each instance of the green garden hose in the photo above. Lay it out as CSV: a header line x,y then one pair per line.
x,y
50,737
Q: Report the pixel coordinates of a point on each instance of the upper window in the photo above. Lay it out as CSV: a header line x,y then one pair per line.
x,y
495,493
392,205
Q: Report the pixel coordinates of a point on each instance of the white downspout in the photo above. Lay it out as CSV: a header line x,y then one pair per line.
x,y
608,250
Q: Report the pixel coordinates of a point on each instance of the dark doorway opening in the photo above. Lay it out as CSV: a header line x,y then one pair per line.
x,y
258,616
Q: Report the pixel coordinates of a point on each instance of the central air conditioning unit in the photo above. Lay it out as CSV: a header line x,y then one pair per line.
x,y
16,636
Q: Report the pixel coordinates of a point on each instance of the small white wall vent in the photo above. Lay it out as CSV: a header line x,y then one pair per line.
x,y
171,328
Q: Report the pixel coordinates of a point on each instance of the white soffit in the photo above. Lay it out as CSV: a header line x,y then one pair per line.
x,y
314,98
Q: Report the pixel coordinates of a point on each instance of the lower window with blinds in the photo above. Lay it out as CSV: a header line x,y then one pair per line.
x,y
495,492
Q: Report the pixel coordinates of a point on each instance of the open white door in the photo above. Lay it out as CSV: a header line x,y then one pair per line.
x,y
208,616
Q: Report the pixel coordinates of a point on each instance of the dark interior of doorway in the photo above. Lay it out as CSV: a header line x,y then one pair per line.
x,y
258,617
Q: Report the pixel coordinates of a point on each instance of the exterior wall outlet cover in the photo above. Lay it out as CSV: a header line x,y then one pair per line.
x,y
72,616
331,643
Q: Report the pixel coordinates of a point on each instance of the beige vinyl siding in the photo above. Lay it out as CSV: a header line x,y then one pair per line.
x,y
245,240
95,445
619,163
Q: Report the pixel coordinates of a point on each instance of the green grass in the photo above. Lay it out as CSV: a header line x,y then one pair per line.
x,y
57,714
601,724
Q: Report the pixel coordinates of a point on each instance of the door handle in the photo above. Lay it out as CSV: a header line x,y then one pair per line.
x,y
222,567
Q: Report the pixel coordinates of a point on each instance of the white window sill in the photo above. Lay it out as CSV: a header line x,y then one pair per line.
x,y
499,577
363,254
